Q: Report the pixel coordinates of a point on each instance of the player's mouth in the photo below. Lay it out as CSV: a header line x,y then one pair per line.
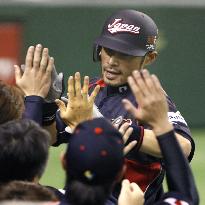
x,y
111,74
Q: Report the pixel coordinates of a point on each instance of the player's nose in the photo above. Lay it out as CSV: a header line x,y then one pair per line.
x,y
113,60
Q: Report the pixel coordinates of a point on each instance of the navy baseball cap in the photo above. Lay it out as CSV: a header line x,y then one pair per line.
x,y
95,152
128,31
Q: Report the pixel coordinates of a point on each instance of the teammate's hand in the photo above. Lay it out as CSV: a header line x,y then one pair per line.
x,y
151,99
130,194
126,131
36,79
80,104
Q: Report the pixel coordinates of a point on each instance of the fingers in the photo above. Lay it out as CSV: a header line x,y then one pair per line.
x,y
127,134
45,59
142,84
18,73
134,86
135,188
85,88
61,105
132,187
146,83
129,147
29,58
50,65
123,128
125,184
78,85
126,131
70,88
94,94
130,108
37,56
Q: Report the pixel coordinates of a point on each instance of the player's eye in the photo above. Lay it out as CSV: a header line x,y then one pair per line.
x,y
111,52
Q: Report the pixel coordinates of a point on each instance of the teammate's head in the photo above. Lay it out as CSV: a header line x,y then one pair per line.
x,y
23,150
93,161
25,191
127,43
11,103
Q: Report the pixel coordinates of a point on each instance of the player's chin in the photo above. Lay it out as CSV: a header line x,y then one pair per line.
x,y
112,82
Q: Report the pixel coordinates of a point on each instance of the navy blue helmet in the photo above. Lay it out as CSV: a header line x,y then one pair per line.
x,y
127,31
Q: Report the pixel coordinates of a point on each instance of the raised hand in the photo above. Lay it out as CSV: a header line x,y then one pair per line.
x,y
80,104
36,78
151,99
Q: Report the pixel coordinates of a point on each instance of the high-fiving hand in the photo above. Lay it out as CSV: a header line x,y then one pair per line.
x,y
80,104
36,78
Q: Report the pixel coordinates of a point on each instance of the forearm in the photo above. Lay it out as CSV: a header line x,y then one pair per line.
x,y
150,144
179,175
53,132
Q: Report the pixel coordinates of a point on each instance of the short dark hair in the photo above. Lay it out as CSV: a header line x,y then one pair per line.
x,y
79,193
25,191
11,103
23,150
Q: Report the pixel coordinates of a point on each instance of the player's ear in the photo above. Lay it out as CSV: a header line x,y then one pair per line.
x,y
150,57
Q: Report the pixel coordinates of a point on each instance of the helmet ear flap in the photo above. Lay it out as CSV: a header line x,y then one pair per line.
x,y
96,53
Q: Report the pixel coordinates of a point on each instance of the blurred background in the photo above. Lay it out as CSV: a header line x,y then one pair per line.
x,y
69,27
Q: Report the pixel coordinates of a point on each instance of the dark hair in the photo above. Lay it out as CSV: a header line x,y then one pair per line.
x,y
23,150
11,103
25,191
79,193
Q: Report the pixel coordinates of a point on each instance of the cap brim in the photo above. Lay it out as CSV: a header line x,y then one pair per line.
x,y
120,46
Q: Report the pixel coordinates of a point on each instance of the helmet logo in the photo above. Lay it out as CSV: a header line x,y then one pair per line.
x,y
151,41
117,26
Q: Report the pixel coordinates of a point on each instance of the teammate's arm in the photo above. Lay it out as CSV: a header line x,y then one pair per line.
x,y
149,143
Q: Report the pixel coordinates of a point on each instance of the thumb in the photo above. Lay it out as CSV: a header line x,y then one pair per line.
x,y
130,108
61,105
18,74
125,184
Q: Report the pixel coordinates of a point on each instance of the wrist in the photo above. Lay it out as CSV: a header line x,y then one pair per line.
x,y
162,127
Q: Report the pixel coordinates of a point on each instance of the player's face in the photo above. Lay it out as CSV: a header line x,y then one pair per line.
x,y
116,66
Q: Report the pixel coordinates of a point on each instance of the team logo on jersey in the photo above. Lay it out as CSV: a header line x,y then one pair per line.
x,y
122,89
175,117
119,26
120,120
174,201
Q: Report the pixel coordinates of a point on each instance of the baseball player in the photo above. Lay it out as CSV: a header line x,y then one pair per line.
x,y
128,42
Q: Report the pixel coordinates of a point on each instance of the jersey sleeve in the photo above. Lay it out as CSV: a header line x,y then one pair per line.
x,y
180,180
180,125
62,135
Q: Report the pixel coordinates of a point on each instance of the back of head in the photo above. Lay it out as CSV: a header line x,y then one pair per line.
x,y
23,150
127,31
25,191
11,103
94,159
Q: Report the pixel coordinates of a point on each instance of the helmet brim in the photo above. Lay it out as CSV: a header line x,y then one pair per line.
x,y
119,46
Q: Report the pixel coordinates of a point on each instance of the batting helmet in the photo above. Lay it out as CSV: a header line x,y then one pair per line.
x,y
127,31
